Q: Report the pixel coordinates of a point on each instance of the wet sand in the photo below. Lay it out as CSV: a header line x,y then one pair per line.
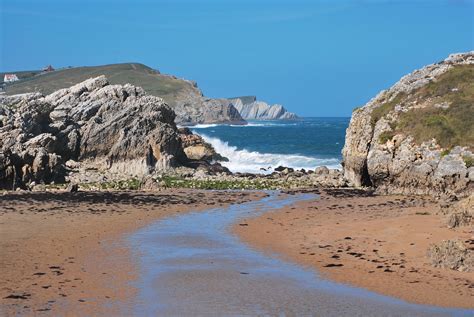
x,y
377,243
192,265
62,253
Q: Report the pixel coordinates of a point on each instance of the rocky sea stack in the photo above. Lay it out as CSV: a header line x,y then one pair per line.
x,y
418,136
252,109
115,128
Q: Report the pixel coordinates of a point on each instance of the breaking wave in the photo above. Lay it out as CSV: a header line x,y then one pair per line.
x,y
249,124
203,126
254,162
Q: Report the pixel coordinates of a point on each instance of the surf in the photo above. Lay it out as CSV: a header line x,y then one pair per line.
x,y
245,161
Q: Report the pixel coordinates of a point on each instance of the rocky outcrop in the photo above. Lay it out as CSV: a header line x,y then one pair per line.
x,y
110,127
452,254
182,95
459,213
194,109
196,148
251,109
410,139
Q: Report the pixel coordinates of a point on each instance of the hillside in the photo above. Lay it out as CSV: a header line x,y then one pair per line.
x,y
182,95
417,136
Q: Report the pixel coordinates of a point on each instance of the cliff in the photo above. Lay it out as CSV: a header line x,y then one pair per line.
x,y
117,129
183,96
252,109
418,136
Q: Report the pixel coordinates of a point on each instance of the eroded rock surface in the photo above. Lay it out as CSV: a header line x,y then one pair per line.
x,y
252,109
109,127
387,148
452,254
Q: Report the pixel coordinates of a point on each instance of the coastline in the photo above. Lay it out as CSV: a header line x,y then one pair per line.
x,y
64,252
378,243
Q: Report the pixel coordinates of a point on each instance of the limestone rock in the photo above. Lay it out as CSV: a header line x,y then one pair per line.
x,y
452,254
250,108
376,155
459,213
111,127
196,148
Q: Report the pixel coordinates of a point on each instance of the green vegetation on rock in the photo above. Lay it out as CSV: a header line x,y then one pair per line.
x,y
469,161
128,184
385,136
258,184
447,112
382,110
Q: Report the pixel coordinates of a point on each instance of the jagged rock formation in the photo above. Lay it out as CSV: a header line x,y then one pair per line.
x,y
192,109
418,136
183,96
196,148
251,109
459,213
452,254
110,127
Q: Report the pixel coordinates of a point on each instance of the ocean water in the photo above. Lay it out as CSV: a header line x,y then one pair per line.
x,y
305,143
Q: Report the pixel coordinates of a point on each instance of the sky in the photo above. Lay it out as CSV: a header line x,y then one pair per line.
x,y
317,58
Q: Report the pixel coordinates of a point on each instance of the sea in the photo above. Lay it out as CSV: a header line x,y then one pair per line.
x,y
261,146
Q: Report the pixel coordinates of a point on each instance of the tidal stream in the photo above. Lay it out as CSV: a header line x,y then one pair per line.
x,y
192,265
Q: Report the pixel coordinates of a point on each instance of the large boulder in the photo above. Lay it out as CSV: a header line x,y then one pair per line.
x,y
417,136
112,127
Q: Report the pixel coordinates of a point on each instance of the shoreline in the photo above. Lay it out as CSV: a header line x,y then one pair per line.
x,y
64,252
377,243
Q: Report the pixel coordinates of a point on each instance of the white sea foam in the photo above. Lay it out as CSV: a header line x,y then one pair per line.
x,y
253,162
203,126
249,124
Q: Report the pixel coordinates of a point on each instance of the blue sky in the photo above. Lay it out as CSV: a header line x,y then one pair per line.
x,y
317,58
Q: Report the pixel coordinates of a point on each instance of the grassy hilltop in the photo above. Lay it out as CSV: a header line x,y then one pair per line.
x,y
164,86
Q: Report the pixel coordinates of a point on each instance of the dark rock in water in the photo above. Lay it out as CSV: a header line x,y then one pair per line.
x,y
279,169
185,131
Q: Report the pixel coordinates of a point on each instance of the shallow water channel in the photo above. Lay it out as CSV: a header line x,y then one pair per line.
x,y
191,265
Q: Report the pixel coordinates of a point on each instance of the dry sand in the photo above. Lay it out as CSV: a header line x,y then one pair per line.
x,y
62,254
378,243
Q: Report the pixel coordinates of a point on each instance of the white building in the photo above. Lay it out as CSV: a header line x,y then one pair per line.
x,y
10,78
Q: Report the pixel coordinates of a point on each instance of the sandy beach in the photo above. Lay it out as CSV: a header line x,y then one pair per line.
x,y
62,252
376,242
66,253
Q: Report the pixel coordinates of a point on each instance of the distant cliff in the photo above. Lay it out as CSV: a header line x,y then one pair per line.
x,y
250,108
183,96
418,136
